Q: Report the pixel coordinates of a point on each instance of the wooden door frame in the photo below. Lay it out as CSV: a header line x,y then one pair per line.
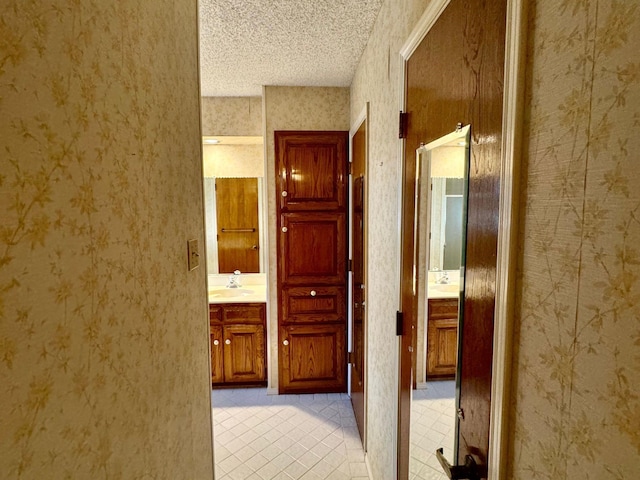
x,y
363,118
514,83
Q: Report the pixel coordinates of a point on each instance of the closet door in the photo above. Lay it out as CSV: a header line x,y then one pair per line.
x,y
311,185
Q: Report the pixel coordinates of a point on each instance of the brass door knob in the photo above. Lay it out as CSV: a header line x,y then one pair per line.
x,y
216,342
285,343
227,342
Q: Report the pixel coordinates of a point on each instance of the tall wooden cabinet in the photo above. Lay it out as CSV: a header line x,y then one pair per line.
x,y
237,344
311,186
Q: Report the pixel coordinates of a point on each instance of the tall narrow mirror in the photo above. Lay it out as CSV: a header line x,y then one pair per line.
x,y
440,228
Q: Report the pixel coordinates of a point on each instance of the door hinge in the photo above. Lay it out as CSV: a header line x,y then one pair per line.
x,y
399,323
350,168
351,358
402,124
350,266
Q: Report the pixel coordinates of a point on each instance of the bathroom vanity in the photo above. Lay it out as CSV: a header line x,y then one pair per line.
x,y
237,325
237,343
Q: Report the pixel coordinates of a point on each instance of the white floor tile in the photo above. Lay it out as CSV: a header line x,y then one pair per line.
x,y
300,437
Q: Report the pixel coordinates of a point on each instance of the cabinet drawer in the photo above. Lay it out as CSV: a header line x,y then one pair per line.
x,y
313,304
244,313
443,308
215,313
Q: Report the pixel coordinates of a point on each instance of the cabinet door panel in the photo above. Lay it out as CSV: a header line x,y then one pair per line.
x,y
244,353
313,358
442,347
217,374
311,170
313,304
312,249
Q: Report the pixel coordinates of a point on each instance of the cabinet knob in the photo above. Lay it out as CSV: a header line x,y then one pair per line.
x,y
284,229
313,293
216,342
284,193
227,342
285,342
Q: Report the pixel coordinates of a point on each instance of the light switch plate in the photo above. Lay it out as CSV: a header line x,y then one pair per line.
x,y
193,255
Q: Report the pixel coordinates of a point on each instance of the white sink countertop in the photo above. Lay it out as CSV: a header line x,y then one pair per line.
x,y
253,289
445,290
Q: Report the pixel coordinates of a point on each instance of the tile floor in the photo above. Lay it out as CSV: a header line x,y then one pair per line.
x,y
308,437
432,427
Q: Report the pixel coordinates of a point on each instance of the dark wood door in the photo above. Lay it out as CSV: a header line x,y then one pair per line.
x,y
456,75
312,190
238,230
358,379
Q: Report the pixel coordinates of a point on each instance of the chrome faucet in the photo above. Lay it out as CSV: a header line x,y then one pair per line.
x,y
443,278
234,280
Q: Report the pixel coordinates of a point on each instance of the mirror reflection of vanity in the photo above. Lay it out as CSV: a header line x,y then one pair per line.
x,y
441,186
233,194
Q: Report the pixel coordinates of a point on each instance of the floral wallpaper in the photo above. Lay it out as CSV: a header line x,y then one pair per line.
x,y
232,116
576,404
293,108
103,331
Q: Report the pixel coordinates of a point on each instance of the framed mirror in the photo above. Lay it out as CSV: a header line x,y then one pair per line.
x,y
234,204
442,168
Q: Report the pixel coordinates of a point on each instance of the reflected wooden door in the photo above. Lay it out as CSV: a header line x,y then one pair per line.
x,y
237,219
358,313
312,244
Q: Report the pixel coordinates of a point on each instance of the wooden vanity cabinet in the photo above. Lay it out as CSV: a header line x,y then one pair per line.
x,y
238,340
442,338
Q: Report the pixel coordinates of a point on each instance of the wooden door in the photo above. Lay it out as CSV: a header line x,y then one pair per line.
x,y
238,230
311,187
450,82
358,312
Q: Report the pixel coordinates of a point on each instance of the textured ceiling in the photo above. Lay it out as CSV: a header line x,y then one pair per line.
x,y
245,44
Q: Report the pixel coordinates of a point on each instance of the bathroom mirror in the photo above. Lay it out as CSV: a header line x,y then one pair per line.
x,y
440,235
234,204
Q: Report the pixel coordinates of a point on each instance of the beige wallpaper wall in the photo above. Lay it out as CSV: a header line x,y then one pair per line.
x,y
232,116
293,108
576,403
233,160
103,331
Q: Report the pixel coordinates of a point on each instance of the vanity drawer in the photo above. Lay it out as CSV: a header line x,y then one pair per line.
x,y
215,313
313,304
443,308
244,313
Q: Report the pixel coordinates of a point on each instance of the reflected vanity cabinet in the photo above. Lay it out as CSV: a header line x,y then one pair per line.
x,y
442,338
238,354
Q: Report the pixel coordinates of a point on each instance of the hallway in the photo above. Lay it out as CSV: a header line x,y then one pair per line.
x,y
308,437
